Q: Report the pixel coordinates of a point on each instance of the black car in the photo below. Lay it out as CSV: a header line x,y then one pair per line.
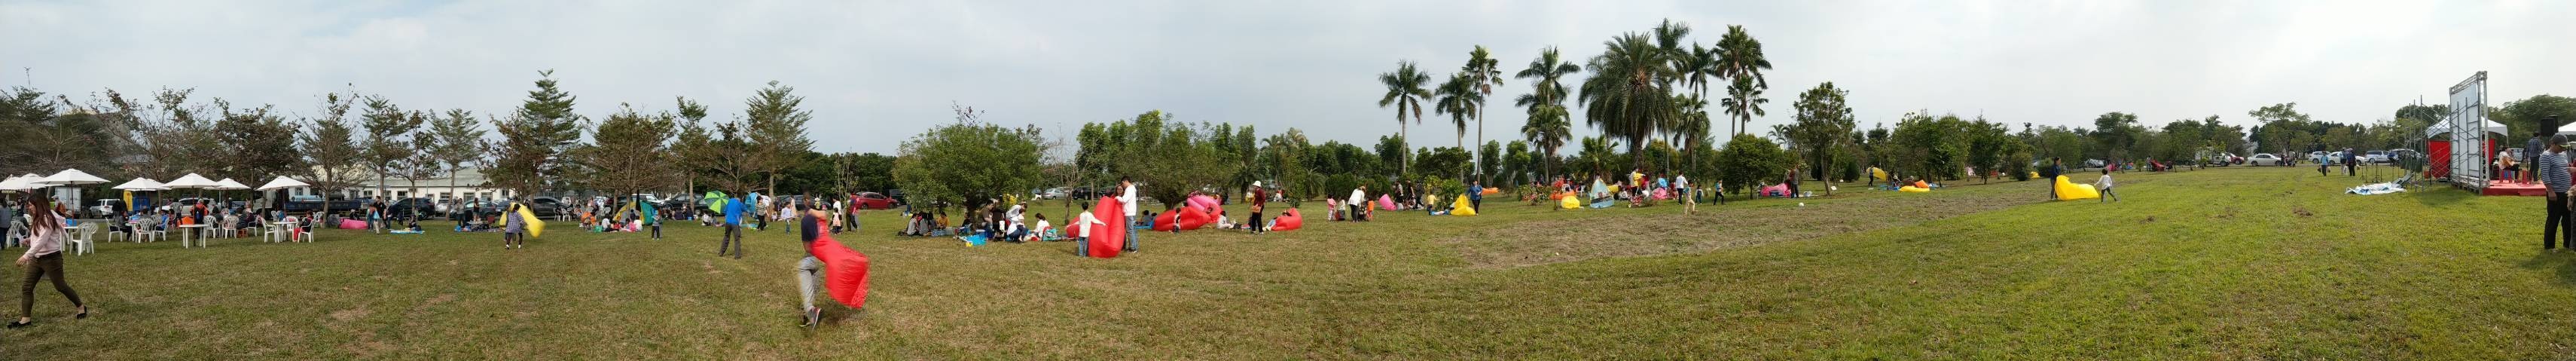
x,y
408,206
545,206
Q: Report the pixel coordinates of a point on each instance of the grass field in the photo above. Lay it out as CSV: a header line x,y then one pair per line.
x,y
2245,263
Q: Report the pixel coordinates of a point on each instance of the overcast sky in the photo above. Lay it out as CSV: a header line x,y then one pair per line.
x,y
875,73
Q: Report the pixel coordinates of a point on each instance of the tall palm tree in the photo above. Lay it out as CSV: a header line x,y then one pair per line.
x,y
1626,97
1458,99
1742,56
1404,91
1486,72
1701,66
1743,102
1668,39
1548,129
1549,123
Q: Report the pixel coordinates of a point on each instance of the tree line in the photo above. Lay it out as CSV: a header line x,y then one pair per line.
x,y
544,145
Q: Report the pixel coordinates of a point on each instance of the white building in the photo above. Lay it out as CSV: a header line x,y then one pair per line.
x,y
465,184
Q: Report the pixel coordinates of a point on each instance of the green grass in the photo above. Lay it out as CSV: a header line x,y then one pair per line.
x,y
2270,263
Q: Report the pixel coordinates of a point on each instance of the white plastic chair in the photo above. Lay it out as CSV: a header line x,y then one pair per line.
x,y
271,231
82,241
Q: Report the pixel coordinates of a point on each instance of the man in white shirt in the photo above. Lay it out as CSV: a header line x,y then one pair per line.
x,y
1127,200
1359,199
1690,203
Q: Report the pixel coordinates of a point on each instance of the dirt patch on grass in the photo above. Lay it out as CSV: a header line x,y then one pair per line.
x,y
350,314
1719,227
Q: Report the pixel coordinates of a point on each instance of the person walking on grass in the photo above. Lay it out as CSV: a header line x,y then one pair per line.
x,y
44,258
2105,185
734,210
2551,168
2351,160
1476,195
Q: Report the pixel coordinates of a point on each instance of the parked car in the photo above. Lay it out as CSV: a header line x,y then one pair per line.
x,y
873,200
545,206
2318,157
103,208
2376,156
424,206
2093,163
2265,159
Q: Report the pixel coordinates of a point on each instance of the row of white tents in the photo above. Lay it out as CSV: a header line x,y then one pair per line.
x,y
75,177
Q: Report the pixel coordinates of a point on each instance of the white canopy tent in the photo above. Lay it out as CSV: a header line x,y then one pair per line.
x,y
141,184
191,181
70,177
282,183
227,184
18,183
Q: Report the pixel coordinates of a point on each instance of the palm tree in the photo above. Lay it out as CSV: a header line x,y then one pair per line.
x,y
1458,99
1547,129
1626,97
1404,91
1742,56
1549,69
1744,101
1548,125
1701,66
1486,72
1668,39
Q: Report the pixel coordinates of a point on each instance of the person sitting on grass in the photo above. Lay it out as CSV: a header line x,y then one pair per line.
x,y
1043,231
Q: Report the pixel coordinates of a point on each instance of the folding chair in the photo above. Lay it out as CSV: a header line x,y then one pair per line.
x,y
82,241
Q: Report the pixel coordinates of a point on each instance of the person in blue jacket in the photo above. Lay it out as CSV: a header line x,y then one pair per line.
x,y
733,212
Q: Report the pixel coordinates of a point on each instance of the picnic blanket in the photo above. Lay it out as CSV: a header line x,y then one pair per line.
x,y
2376,189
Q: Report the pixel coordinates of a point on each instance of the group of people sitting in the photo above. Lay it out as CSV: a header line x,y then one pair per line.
x,y
995,220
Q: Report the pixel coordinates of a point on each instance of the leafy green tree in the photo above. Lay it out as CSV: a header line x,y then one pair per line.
x,y
2522,117
331,146
1284,157
969,161
1390,150
458,142
1743,102
777,131
534,139
1934,148
35,137
628,152
1992,148
388,143
1747,161
1404,92
259,144
1824,123
2113,132
1170,158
